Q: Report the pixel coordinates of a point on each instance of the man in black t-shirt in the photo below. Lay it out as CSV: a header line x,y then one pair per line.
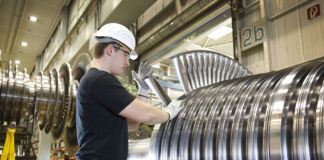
x,y
105,109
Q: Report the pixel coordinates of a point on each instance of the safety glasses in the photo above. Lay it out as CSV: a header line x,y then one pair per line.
x,y
131,55
118,46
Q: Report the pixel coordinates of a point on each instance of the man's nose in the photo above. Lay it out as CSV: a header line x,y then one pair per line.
x,y
127,63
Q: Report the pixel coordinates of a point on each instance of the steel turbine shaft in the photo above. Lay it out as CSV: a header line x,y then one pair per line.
x,y
50,99
276,115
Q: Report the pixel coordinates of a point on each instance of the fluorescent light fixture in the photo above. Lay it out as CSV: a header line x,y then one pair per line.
x,y
24,44
157,66
17,62
33,19
220,32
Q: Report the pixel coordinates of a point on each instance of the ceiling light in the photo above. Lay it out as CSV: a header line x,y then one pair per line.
x,y
17,62
220,32
157,66
33,19
24,44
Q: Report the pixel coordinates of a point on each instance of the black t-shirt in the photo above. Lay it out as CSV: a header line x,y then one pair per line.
x,y
102,134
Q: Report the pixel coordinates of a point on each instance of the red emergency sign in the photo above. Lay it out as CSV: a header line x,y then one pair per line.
x,y
313,11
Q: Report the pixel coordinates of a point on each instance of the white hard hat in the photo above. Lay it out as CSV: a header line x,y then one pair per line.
x,y
117,32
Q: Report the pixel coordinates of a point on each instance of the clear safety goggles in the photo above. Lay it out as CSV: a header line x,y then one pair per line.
x,y
131,55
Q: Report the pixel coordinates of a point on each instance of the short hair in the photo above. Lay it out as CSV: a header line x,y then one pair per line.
x,y
98,49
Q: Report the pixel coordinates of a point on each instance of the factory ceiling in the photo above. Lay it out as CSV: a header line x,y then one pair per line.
x,y
16,27
22,39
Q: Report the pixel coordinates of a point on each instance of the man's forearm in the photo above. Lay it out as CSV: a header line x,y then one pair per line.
x,y
156,114
132,124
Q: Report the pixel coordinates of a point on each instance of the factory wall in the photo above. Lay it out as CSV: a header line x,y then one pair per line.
x,y
290,36
70,37
163,30
74,30
301,39
79,20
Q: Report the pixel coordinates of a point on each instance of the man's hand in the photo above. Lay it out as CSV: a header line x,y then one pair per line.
x,y
144,71
174,107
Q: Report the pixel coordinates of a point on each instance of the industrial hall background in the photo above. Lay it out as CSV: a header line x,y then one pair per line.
x,y
252,72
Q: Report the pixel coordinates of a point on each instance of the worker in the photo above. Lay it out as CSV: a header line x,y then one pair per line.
x,y
106,111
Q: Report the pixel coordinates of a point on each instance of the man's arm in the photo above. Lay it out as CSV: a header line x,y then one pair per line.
x,y
145,113
140,111
132,124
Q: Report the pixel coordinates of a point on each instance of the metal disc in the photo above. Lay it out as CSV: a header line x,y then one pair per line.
x,y
80,66
69,134
61,113
52,101
42,98
70,140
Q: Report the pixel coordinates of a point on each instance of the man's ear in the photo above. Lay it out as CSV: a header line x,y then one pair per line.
x,y
109,49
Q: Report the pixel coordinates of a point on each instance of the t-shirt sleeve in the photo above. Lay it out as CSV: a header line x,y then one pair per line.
x,y
109,92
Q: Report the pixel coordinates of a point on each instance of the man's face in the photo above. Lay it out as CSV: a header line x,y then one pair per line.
x,y
120,59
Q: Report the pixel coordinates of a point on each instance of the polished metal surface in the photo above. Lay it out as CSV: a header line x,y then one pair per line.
x,y
49,100
69,134
276,115
57,128
158,90
81,64
42,98
181,71
52,102
197,69
64,90
14,96
227,113
139,149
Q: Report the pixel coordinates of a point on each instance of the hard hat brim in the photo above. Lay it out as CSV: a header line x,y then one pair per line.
x,y
133,55
105,40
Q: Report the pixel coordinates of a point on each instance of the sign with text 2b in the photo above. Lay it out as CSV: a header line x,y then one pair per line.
x,y
252,35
